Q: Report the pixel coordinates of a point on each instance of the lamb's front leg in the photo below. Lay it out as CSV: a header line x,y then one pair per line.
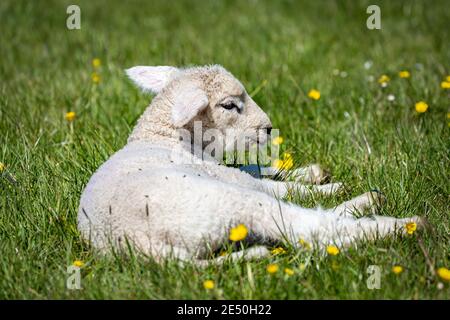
x,y
312,174
271,187
282,188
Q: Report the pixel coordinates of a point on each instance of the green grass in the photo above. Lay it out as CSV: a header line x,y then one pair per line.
x,y
353,130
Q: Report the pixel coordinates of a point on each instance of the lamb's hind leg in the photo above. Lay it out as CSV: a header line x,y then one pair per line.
x,y
280,220
370,200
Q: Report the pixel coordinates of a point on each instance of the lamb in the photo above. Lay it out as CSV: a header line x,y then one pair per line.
x,y
166,206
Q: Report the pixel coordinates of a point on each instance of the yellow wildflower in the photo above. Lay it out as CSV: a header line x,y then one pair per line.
x,y
445,85
78,263
278,163
284,164
304,244
277,141
70,116
288,161
444,273
289,271
208,284
333,250
421,107
397,269
314,94
335,266
384,79
95,77
404,74
238,233
96,62
278,250
411,227
2,166
272,268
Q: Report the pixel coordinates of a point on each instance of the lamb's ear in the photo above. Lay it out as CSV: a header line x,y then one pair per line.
x,y
152,79
189,101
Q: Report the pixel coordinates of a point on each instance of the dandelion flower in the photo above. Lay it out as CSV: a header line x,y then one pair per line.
x,y
288,161
421,107
278,163
444,273
314,94
411,227
384,79
289,271
332,250
70,116
404,74
272,268
445,85
238,233
284,164
278,250
95,78
277,141
397,269
304,244
208,284
391,97
96,62
78,263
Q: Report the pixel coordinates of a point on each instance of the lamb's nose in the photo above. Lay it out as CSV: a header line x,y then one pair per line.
x,y
269,130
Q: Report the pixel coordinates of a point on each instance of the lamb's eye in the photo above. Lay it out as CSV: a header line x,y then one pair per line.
x,y
230,105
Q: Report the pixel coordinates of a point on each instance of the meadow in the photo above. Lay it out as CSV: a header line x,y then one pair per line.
x,y
366,127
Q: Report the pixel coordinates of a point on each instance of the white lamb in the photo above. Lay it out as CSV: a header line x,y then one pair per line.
x,y
176,208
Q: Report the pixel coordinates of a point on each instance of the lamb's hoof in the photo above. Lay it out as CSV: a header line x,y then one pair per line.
x,y
330,188
318,175
421,222
376,198
355,207
312,174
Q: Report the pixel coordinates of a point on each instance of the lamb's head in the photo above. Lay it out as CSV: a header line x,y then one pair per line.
x,y
207,95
